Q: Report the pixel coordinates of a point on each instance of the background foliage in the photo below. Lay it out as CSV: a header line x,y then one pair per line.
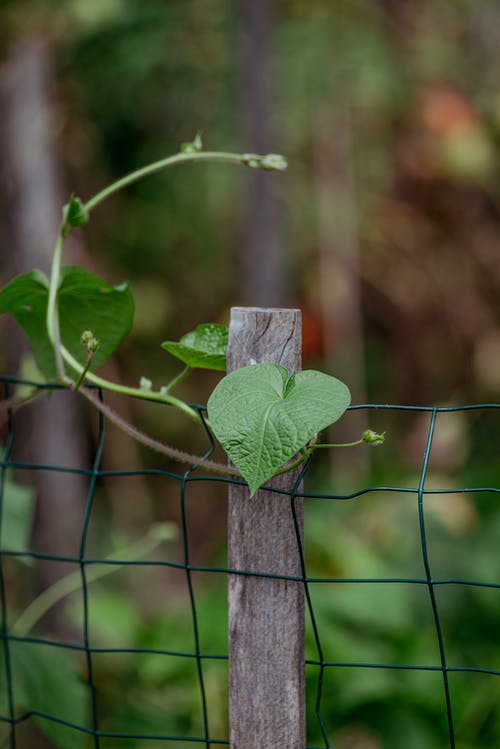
x,y
385,230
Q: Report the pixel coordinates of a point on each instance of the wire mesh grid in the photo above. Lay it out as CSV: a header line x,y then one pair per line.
x,y
16,710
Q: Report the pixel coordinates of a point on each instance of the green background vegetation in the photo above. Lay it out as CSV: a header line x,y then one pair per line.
x,y
385,230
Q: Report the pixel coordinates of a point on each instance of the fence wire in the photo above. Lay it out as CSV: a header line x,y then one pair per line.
x,y
15,712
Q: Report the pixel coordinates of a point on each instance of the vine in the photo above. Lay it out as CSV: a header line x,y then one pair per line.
x,y
75,321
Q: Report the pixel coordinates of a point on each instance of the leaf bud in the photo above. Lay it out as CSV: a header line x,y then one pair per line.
x,y
88,340
252,160
274,162
195,146
75,214
145,384
372,438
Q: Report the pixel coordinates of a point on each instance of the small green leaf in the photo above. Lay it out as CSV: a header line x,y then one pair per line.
x,y
262,417
195,146
75,214
204,348
86,302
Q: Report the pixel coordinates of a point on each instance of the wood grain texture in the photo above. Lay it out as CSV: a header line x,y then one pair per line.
x,y
266,616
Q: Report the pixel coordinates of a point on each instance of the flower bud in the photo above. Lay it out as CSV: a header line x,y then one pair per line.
x,y
372,438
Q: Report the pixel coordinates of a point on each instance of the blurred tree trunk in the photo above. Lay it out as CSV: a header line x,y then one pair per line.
x,y
52,431
34,199
338,272
263,256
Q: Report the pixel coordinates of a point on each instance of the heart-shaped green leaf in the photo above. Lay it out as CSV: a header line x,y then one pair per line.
x,y
86,302
205,347
262,417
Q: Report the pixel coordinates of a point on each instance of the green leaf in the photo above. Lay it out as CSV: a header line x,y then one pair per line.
x,y
262,417
26,299
205,347
46,680
85,302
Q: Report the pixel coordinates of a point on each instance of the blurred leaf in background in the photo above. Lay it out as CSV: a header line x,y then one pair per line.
x,y
17,515
389,115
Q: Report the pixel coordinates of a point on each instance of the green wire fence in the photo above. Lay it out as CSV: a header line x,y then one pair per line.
x,y
323,725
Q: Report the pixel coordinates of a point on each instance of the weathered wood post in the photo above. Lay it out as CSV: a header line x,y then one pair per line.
x,y
266,615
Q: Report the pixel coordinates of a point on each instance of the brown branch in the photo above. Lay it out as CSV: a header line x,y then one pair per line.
x,y
161,447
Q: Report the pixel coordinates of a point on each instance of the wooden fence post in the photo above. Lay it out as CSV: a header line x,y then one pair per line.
x,y
266,615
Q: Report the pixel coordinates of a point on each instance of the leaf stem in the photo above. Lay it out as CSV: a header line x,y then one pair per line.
x,y
307,451
341,444
84,371
61,353
161,447
176,380
52,319
115,387
296,463
157,166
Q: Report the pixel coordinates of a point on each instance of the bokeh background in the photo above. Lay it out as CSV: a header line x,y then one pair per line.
x,y
385,230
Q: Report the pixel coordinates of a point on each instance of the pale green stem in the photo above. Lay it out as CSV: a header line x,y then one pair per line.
x,y
171,452
73,582
157,166
52,311
306,452
149,395
342,444
86,368
176,380
61,353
